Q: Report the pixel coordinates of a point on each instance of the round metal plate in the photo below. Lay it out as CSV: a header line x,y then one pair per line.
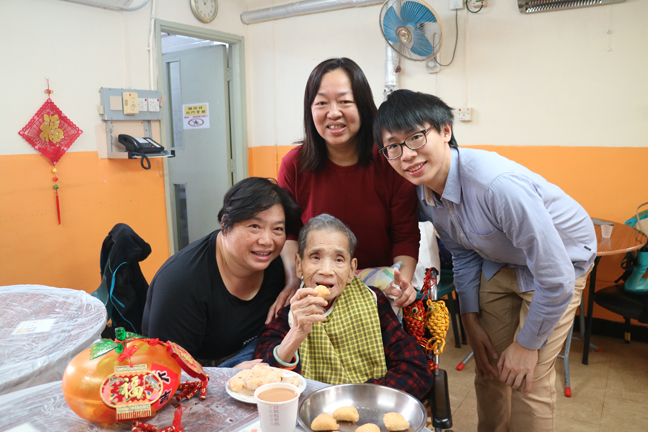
x,y
372,402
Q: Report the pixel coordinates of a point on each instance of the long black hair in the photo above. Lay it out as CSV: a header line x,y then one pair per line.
x,y
313,154
253,195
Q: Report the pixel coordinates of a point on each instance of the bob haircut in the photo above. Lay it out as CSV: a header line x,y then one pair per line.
x,y
253,195
313,153
407,111
325,222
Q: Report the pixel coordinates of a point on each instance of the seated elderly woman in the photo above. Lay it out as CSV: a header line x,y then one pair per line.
x,y
350,335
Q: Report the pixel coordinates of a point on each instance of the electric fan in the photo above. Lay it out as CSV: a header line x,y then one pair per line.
x,y
412,28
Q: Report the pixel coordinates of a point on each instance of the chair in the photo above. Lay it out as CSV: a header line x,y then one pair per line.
x,y
123,288
629,305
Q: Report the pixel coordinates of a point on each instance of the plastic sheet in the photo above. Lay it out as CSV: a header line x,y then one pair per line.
x,y
41,329
43,409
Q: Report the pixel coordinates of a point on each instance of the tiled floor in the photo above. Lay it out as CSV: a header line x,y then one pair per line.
x,y
610,394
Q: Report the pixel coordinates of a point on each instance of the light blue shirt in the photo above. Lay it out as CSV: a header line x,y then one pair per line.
x,y
495,212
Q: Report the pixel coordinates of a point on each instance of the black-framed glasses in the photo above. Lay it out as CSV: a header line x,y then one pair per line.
x,y
413,142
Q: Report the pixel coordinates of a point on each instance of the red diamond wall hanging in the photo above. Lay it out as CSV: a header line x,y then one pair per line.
x,y
50,132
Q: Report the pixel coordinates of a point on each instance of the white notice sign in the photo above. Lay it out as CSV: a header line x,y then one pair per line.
x,y
196,116
35,326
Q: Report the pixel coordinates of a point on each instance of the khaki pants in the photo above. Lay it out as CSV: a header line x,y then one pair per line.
x,y
503,309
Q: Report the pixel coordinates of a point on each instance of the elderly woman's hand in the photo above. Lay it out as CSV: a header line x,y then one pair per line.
x,y
306,309
400,291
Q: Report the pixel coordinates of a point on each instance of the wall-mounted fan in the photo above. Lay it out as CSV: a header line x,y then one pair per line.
x,y
412,28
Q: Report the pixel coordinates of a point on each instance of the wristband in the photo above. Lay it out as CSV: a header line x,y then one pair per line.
x,y
285,365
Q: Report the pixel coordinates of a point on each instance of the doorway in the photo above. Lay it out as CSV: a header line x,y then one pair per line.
x,y
201,78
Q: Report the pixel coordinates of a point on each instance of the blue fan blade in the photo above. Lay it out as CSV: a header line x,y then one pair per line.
x,y
415,13
391,23
421,45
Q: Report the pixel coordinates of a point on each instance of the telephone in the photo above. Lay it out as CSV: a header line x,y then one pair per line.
x,y
140,147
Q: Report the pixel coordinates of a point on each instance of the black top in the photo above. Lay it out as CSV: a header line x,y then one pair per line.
x,y
188,303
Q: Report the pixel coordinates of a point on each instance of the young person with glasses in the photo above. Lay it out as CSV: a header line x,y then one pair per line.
x,y
522,250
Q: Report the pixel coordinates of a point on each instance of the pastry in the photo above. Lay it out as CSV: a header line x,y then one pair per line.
x,y
238,383
248,380
324,422
322,291
395,422
346,413
369,427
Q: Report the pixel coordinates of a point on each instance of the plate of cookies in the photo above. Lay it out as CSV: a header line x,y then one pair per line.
x,y
361,408
242,385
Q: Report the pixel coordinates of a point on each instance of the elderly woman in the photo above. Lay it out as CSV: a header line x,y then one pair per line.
x,y
349,335
212,297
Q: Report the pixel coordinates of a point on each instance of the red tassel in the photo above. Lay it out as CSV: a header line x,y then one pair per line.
x,y
177,418
58,208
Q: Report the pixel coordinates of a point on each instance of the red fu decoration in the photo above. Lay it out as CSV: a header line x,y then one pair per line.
x,y
50,132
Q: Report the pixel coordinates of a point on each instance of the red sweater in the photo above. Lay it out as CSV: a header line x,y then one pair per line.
x,y
376,203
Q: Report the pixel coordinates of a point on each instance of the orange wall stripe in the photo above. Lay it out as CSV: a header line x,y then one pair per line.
x,y
95,194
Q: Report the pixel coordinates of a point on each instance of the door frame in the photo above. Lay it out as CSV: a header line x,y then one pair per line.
x,y
238,108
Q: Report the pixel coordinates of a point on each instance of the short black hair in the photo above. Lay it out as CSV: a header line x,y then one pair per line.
x,y
325,222
406,111
253,195
314,154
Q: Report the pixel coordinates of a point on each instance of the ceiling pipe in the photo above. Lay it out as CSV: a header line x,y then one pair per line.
x,y
302,8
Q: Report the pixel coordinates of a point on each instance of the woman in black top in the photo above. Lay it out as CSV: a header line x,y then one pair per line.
x,y
212,297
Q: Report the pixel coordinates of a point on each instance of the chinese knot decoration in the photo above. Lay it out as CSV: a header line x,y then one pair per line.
x,y
131,378
50,132
433,322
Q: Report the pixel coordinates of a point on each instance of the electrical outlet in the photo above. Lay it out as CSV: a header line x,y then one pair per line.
x,y
154,104
131,106
142,104
477,4
464,114
456,4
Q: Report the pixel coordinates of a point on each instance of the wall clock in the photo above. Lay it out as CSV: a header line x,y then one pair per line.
x,y
204,10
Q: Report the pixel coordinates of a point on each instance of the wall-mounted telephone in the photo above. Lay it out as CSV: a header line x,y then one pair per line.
x,y
140,147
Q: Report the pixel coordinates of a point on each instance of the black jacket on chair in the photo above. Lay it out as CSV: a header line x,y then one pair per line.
x,y
124,247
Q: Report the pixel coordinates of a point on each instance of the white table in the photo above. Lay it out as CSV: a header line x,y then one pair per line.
x,y
43,409
41,329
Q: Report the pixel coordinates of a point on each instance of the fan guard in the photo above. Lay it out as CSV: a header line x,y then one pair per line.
x,y
412,28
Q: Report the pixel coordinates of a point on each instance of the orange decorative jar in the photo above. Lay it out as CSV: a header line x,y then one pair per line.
x,y
85,379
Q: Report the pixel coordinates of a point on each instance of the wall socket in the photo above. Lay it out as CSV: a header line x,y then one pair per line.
x,y
153,104
143,104
463,114
477,4
456,4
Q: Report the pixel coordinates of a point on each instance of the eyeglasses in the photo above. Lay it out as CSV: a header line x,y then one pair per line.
x,y
412,142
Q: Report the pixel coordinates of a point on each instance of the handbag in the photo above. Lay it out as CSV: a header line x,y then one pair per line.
x,y
636,282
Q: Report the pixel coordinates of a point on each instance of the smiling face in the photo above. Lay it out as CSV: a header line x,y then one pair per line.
x,y
335,112
327,262
253,244
430,164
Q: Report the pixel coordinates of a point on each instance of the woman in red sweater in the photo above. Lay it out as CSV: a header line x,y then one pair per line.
x,y
337,170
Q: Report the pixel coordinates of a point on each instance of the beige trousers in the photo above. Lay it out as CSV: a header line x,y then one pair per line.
x,y
503,309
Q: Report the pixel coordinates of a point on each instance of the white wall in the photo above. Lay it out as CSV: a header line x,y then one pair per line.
x,y
79,48
573,77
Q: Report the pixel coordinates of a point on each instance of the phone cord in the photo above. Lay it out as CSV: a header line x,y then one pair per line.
x,y
144,157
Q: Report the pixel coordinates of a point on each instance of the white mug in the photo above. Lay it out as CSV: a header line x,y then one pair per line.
x,y
279,416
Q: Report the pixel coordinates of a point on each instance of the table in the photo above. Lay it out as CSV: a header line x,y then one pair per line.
x,y
41,329
43,409
624,239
